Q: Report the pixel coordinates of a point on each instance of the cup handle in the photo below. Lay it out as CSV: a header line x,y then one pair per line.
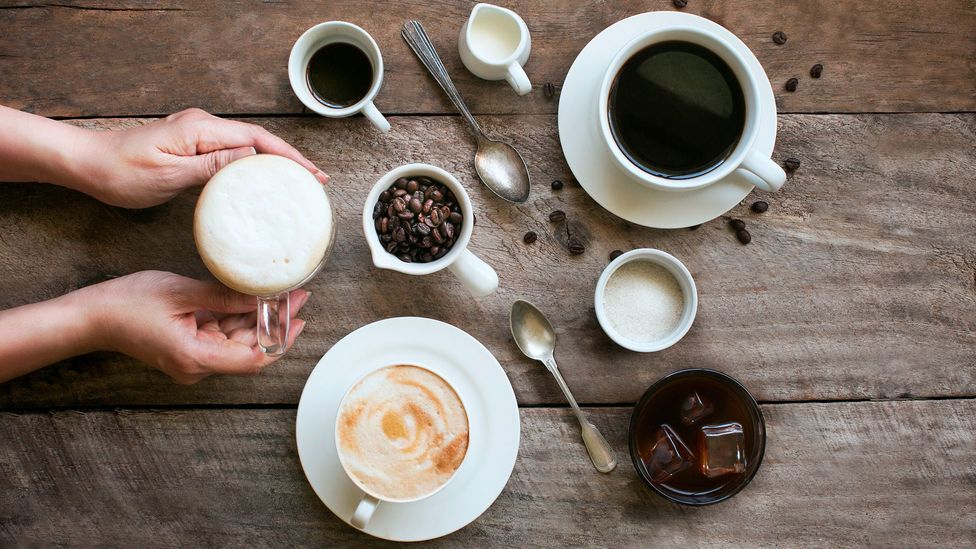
x,y
478,277
274,321
364,511
516,77
376,117
771,176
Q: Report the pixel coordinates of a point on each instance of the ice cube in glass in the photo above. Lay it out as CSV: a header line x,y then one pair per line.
x,y
694,407
668,456
721,449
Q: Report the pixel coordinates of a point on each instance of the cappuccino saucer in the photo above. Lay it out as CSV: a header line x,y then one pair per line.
x,y
591,162
478,379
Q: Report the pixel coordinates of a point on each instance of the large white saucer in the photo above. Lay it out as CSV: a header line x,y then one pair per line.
x,y
480,382
591,162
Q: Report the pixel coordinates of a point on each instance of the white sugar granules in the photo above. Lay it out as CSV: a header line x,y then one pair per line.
x,y
643,301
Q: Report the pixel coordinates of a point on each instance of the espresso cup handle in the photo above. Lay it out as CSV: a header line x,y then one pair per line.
x,y
376,117
516,77
478,277
274,321
364,511
771,175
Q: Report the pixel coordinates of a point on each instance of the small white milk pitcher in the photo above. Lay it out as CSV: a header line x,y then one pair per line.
x,y
494,44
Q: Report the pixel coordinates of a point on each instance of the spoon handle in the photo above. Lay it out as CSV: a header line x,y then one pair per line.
x,y
601,454
416,37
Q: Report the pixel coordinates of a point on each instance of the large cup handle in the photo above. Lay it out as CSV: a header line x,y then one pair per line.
x,y
771,175
364,511
478,277
516,77
376,117
274,321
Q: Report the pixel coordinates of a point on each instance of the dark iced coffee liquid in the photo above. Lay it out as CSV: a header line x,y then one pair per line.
x,y
665,406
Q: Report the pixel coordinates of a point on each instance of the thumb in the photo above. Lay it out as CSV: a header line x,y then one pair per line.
x,y
208,164
214,297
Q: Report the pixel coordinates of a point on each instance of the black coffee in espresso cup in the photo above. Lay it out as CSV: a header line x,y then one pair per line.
x,y
676,109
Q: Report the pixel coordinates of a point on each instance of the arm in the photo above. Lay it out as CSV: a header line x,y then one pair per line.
x,y
137,167
186,328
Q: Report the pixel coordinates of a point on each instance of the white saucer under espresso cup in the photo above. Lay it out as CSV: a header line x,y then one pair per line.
x,y
744,156
324,34
494,44
479,278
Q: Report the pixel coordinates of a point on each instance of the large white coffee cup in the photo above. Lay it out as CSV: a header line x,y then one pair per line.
x,y
327,33
477,276
744,156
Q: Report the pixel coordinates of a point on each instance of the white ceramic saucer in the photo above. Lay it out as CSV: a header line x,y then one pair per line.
x,y
480,382
591,162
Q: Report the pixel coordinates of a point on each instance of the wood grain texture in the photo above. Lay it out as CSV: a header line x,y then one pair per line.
x,y
129,57
892,474
860,281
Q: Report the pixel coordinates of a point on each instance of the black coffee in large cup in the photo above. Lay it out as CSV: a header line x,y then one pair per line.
x,y
676,110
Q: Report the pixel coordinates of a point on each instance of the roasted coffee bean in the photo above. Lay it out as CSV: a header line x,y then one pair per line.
x,y
679,3
426,242
557,216
436,216
435,249
556,185
399,204
400,183
615,254
405,258
437,235
760,206
378,210
421,229
413,239
385,238
390,212
549,89
399,234
400,192
530,237
385,196
406,214
791,84
394,223
441,253
429,192
576,247
791,164
743,236
437,195
412,186
737,224
426,257
455,218
816,70
415,205
427,205
448,230
391,246
779,37
384,225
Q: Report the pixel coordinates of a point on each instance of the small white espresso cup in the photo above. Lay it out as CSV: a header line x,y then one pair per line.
x,y
371,501
324,34
744,156
494,44
475,274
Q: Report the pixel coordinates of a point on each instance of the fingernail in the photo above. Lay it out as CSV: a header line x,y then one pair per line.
x,y
253,150
322,176
301,327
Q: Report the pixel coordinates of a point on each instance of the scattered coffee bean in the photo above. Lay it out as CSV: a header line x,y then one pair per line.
x,y
694,227
760,206
615,254
737,224
549,89
557,185
791,84
530,237
679,3
816,70
417,219
576,247
792,164
743,236
557,216
779,37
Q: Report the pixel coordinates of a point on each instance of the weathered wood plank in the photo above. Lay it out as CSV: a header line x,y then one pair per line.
x,y
860,281
108,58
892,474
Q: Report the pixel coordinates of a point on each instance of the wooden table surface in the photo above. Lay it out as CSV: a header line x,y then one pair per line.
x,y
851,316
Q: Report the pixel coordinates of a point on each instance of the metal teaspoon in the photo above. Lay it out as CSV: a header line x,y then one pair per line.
x,y
537,340
498,164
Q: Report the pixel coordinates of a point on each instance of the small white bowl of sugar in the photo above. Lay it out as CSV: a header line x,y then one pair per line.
x,y
646,300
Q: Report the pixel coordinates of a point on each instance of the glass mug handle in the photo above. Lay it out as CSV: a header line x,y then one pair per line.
x,y
274,321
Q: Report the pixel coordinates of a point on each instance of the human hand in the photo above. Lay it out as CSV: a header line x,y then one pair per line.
x,y
150,164
186,328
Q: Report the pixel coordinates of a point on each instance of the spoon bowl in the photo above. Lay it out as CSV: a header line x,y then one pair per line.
x,y
532,331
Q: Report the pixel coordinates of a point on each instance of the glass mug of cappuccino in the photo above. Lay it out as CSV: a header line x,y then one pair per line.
x,y
402,434
264,226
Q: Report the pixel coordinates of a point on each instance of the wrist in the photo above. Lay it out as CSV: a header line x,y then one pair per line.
x,y
85,323
84,159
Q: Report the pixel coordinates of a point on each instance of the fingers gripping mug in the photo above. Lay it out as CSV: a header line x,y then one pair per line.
x,y
264,226
336,70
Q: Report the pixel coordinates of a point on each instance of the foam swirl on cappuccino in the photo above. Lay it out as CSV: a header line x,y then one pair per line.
x,y
402,432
